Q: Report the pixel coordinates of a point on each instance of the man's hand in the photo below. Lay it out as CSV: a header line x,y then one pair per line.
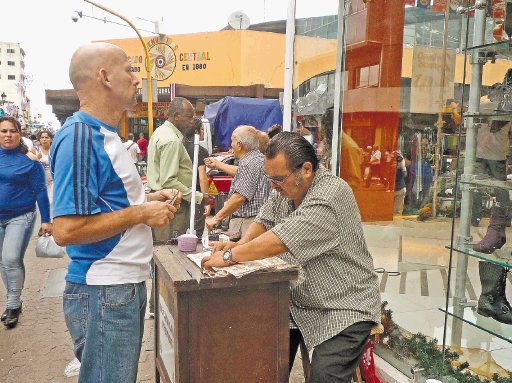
x,y
215,260
207,209
166,195
222,246
212,222
207,199
211,162
157,214
46,229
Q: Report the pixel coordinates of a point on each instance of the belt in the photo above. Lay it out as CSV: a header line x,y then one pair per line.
x,y
237,216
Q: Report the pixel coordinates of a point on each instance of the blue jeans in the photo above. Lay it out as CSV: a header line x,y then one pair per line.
x,y
106,324
15,235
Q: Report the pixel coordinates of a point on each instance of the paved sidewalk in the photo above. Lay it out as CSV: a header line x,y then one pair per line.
x,y
39,348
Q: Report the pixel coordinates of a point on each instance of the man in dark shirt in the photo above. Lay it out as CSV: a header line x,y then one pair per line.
x,y
202,178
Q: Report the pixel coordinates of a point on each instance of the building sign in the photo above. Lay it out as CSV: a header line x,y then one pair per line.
x,y
141,110
162,57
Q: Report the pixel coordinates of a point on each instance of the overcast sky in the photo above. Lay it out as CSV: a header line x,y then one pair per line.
x,y
49,36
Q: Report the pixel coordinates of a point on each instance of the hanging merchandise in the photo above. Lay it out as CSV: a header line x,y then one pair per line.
x,y
418,164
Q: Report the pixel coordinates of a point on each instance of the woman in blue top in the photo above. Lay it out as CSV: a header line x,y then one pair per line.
x,y
22,184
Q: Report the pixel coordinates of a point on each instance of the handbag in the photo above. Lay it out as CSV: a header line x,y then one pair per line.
x,y
47,248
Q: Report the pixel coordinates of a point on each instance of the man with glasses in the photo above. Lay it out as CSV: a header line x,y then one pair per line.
x,y
311,219
250,187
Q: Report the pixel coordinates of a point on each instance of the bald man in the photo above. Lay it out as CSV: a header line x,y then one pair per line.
x,y
250,187
104,218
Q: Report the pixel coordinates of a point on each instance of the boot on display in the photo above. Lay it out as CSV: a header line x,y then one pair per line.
x,y
493,301
495,236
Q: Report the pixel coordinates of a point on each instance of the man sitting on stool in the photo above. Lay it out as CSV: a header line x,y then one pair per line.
x,y
311,218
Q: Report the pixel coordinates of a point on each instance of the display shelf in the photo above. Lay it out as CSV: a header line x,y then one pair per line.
x,y
507,115
502,257
487,324
502,48
489,183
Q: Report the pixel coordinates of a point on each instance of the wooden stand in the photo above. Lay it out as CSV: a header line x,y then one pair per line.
x,y
220,329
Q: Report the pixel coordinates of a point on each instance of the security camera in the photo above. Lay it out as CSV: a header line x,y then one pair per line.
x,y
76,16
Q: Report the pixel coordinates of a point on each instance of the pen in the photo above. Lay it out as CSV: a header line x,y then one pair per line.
x,y
171,201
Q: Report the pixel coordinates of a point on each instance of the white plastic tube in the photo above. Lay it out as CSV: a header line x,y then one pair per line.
x,y
194,184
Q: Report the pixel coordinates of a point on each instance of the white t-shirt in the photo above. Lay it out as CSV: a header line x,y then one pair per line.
x,y
28,142
133,149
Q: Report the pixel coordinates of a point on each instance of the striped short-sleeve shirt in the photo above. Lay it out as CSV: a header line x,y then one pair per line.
x,y
337,286
251,182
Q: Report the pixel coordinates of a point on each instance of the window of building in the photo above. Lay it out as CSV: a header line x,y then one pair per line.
x,y
11,63
368,76
11,77
10,50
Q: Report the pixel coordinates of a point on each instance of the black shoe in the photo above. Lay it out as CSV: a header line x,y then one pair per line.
x,y
4,315
475,222
12,316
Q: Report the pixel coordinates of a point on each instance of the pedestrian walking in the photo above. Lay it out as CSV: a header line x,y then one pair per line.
x,y
22,185
104,217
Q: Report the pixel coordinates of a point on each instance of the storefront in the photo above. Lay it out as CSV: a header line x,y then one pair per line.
x,y
398,85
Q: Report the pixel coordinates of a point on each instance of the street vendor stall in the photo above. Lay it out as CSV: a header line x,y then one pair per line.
x,y
220,328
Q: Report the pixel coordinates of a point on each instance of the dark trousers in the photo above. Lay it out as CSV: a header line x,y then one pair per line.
x,y
336,359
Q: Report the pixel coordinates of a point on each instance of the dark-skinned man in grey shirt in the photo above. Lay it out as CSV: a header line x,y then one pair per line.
x,y
311,219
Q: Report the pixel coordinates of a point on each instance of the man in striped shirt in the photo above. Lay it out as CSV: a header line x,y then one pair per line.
x,y
250,187
311,219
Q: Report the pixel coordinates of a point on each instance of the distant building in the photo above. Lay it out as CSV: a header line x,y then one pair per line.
x,y
13,80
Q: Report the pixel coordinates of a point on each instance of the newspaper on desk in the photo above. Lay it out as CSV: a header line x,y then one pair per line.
x,y
243,268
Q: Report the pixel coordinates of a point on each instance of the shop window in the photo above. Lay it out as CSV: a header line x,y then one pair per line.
x,y
11,77
368,76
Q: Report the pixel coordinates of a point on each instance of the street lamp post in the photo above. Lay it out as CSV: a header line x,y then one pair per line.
x,y
148,62
4,96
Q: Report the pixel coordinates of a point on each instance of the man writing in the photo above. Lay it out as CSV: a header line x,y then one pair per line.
x,y
250,187
311,218
169,165
104,217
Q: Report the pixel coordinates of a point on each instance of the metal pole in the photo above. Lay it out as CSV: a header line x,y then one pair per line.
x,y
288,67
148,62
337,132
464,237
441,107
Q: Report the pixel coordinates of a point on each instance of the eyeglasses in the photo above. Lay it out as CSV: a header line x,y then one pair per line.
x,y
279,181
